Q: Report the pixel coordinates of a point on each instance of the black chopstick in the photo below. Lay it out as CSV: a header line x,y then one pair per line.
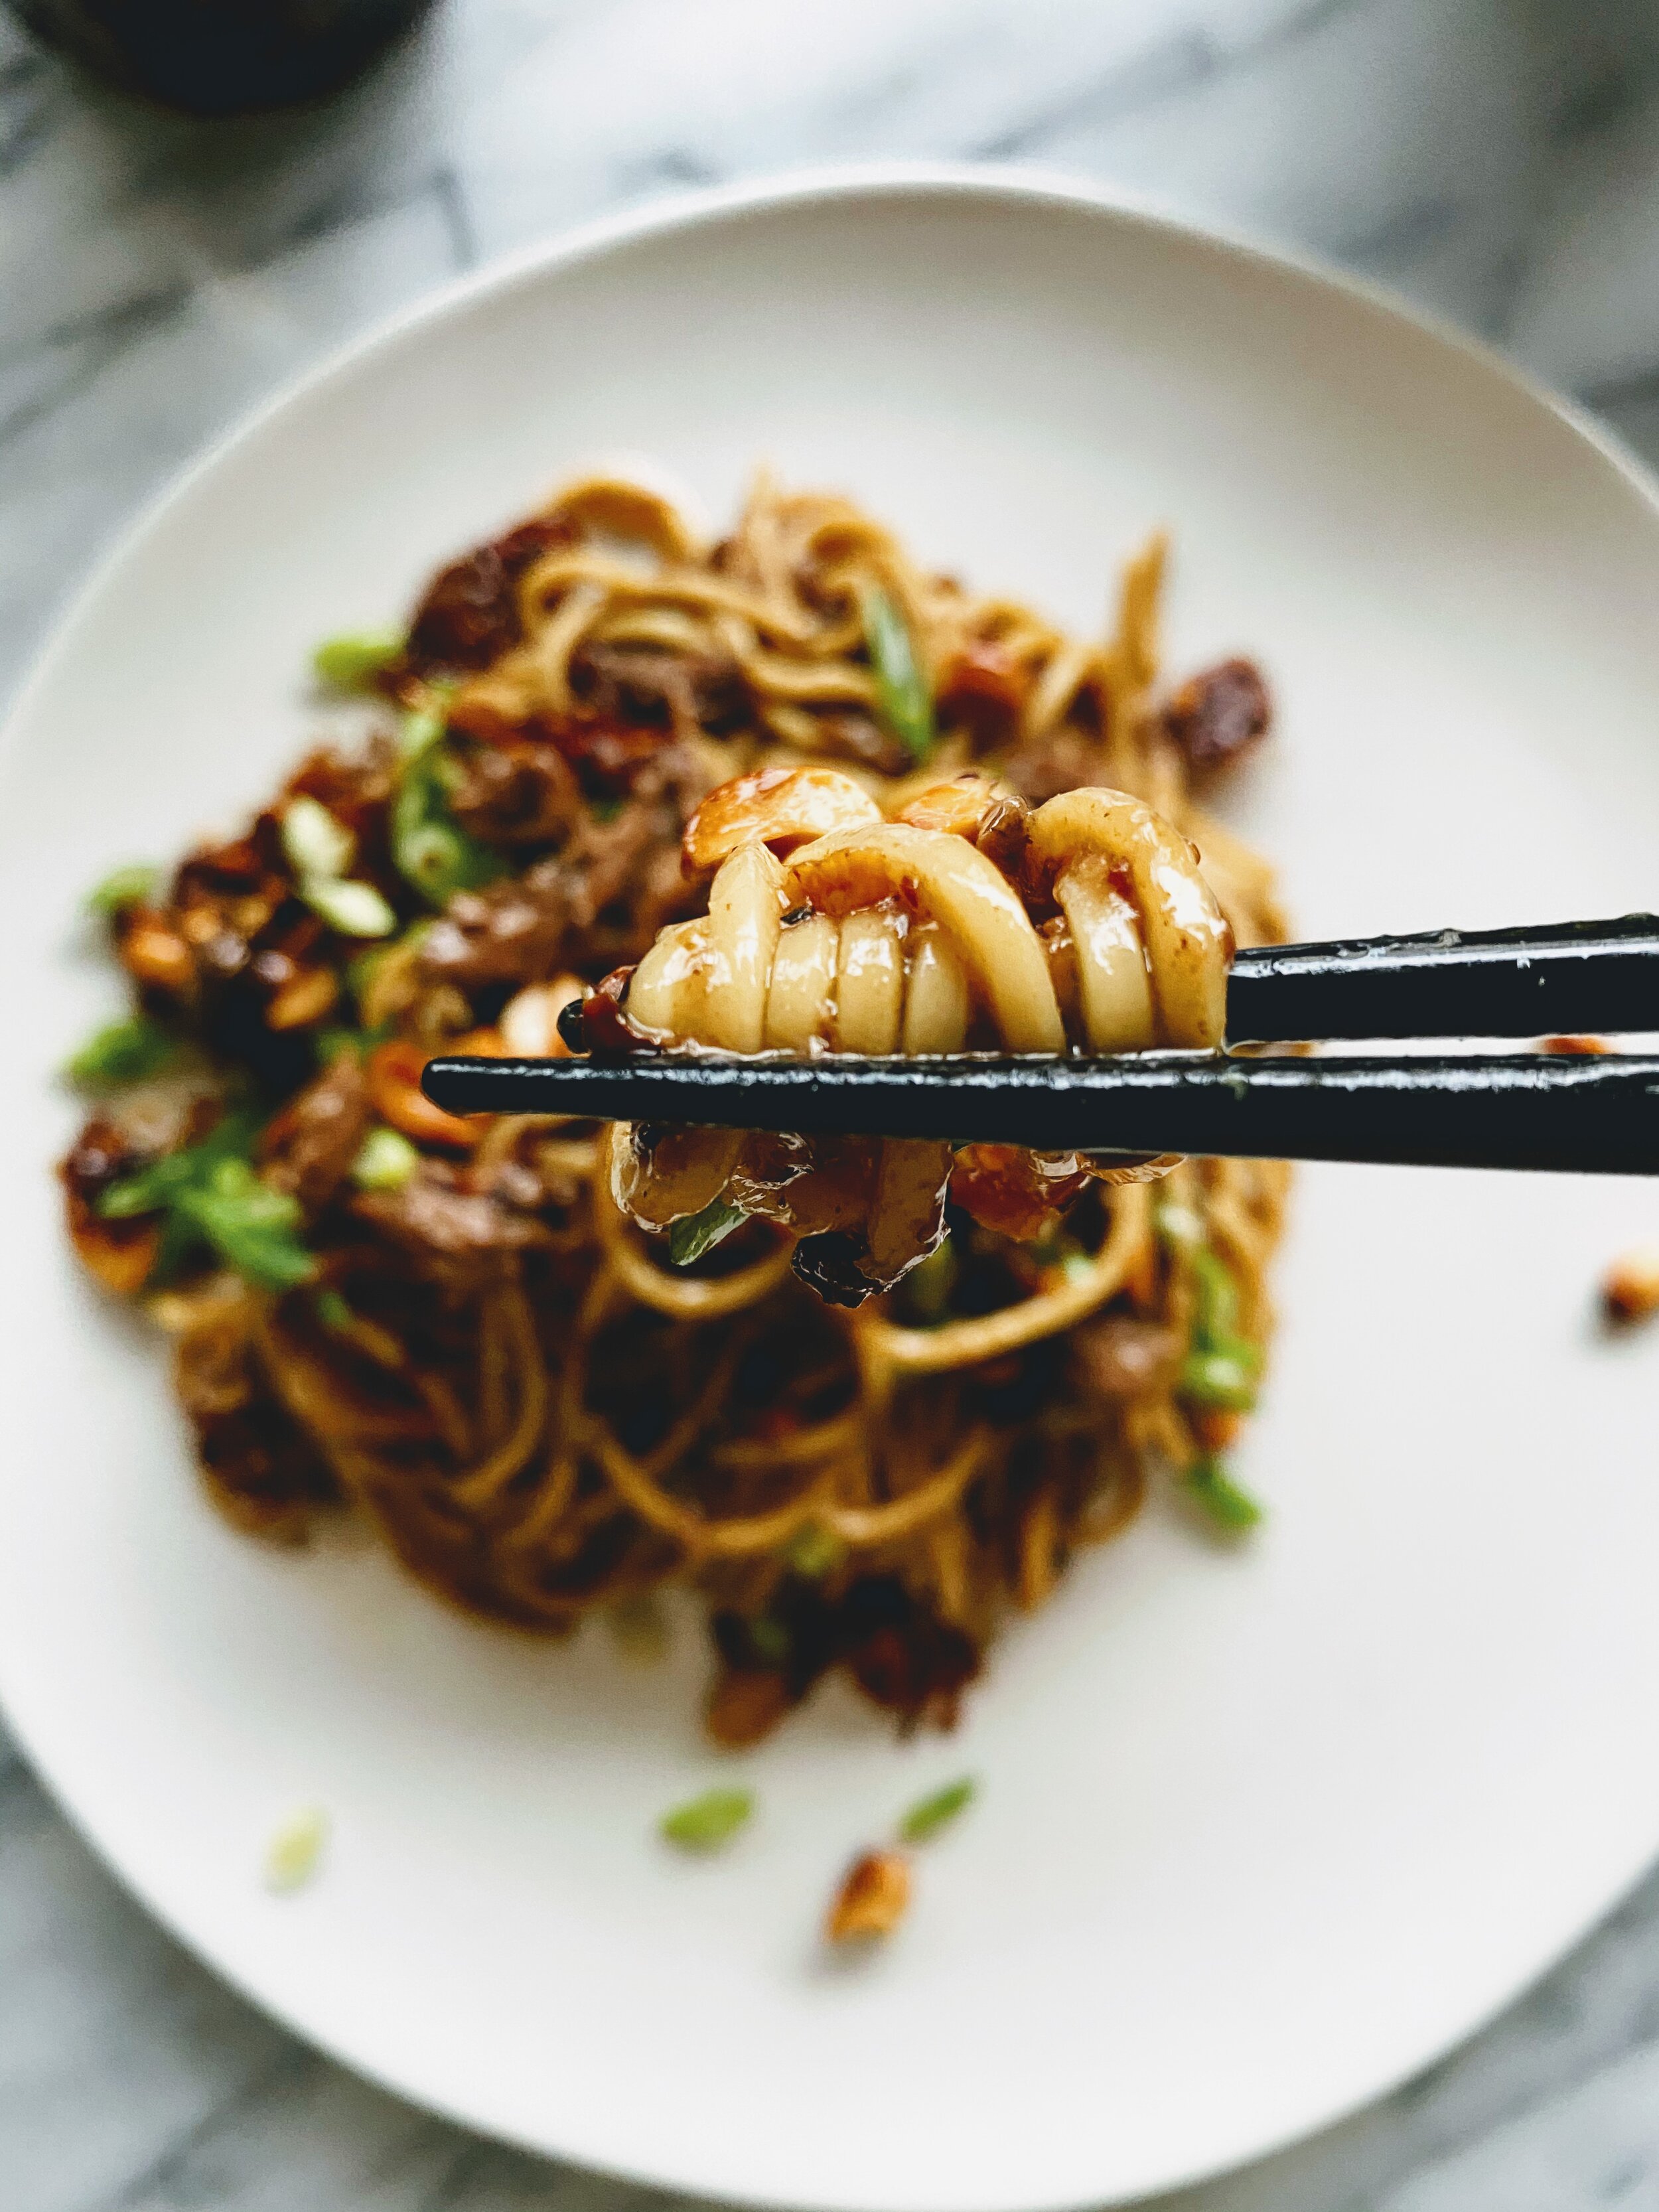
x,y
1562,976
1592,1116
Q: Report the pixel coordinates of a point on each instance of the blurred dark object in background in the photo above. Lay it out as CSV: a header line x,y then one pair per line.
x,y
222,57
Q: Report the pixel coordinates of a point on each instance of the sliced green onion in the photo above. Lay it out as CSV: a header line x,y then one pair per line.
x,y
1217,1288
903,699
123,1052
697,1233
703,1824
317,842
332,1311
605,810
351,662
355,909
420,730
1228,1504
1077,1267
430,850
251,1226
769,1639
295,1851
929,1814
815,1550
122,888
1222,1377
385,1161
160,1183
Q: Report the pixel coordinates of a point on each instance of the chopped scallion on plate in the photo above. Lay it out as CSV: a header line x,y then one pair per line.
x,y
122,888
122,1052
708,1822
351,662
930,1814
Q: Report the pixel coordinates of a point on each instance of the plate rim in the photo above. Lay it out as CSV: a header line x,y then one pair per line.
x,y
568,247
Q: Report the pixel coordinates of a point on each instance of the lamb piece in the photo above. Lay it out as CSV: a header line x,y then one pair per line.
x,y
356,788
1216,716
470,614
261,1469
118,1254
633,684
459,1238
512,932
519,791
1063,761
308,1149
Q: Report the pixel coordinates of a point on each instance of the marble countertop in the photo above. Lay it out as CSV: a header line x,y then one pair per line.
x,y
1496,160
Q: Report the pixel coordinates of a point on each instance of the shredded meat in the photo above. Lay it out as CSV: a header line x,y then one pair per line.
x,y
461,1238
308,1149
470,616
519,791
512,932
1219,714
680,691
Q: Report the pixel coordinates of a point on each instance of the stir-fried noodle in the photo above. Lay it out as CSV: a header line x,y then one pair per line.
x,y
454,1327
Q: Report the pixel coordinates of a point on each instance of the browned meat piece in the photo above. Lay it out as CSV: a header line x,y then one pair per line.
x,y
1060,762
461,1238
356,788
1219,714
512,931
308,1149
264,1474
119,1254
680,691
508,933
1118,1356
520,792
982,691
470,616
848,735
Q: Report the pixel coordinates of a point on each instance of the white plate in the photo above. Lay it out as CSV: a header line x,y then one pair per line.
x,y
1260,1831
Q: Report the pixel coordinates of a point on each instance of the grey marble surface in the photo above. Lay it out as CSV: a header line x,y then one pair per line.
x,y
1496,158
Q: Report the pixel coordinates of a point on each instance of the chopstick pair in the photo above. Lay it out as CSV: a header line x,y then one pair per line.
x,y
1588,1115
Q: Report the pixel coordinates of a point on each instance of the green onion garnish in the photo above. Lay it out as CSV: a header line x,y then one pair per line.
x,y
332,1311
903,699
251,1226
1229,1505
697,1233
385,1161
1222,1377
317,842
353,908
123,1052
814,1551
122,888
351,662
211,1194
703,1824
929,1814
430,849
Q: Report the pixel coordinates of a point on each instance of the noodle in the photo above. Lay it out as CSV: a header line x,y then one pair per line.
x,y
912,820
